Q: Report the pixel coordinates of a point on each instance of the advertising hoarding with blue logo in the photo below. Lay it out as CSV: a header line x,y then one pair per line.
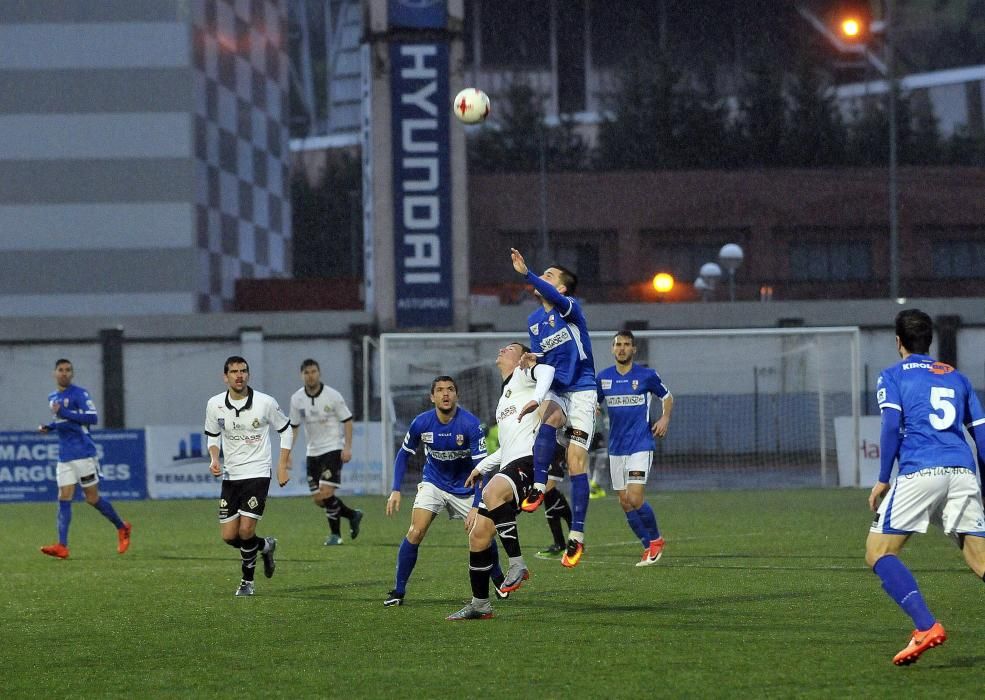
x,y
28,465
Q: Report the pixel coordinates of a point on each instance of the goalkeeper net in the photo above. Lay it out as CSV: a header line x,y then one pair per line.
x,y
753,408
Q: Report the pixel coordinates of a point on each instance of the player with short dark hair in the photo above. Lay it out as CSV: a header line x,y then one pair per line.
x,y
924,404
74,413
507,487
238,421
328,428
453,444
559,337
625,389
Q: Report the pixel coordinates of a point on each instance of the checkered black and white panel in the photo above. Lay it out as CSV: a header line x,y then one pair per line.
x,y
243,200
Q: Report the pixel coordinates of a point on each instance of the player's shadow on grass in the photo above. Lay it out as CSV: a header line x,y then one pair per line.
x,y
958,662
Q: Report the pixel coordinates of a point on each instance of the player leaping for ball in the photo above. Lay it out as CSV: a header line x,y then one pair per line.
x,y
559,337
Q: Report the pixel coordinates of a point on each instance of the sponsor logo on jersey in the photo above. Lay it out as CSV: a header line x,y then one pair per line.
x,y
606,384
427,437
550,320
506,413
302,412
625,400
509,392
459,439
256,423
636,384
449,455
222,424
535,329
881,395
65,402
555,340
933,367
482,444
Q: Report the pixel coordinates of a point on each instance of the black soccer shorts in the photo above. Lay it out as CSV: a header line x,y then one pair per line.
x,y
325,468
246,497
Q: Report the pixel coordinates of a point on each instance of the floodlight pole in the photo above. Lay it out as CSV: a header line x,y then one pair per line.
x,y
887,69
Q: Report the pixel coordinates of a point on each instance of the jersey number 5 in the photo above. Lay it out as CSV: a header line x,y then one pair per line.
x,y
939,400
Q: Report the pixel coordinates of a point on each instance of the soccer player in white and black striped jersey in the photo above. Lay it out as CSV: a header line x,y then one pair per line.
x,y
238,421
327,424
513,482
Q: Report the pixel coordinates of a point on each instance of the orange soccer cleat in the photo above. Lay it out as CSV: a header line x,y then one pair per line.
x,y
124,537
919,643
652,554
59,551
532,502
573,554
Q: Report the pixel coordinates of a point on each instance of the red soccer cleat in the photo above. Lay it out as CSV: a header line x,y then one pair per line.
x,y
59,551
652,554
919,643
123,534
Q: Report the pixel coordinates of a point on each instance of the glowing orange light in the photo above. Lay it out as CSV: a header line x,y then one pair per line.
x,y
662,282
851,28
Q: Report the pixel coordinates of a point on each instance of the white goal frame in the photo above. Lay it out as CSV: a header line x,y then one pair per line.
x,y
380,365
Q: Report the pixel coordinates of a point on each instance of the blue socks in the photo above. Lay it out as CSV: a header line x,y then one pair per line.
x,y
64,519
636,525
406,560
579,500
544,445
106,508
649,520
899,583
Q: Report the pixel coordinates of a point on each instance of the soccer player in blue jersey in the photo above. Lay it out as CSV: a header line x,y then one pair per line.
x,y
625,388
559,337
453,445
924,404
74,412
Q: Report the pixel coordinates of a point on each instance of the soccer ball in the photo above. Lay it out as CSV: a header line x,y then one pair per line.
x,y
471,106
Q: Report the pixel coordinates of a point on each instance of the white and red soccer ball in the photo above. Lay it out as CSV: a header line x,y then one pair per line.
x,y
471,106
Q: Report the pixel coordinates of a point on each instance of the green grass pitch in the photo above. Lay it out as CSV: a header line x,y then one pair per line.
x,y
759,594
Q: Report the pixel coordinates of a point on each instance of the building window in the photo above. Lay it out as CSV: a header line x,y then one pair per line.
x,y
515,33
832,261
958,259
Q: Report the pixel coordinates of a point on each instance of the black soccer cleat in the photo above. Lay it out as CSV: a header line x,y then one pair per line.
x,y
393,598
354,522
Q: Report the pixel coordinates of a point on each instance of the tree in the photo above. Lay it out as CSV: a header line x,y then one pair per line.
x,y
520,138
817,134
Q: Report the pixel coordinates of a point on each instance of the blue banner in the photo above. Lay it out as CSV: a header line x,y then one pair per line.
x,y
421,184
28,465
418,14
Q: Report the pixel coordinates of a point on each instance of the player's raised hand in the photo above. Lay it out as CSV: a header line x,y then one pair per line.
x,y
393,503
475,476
518,263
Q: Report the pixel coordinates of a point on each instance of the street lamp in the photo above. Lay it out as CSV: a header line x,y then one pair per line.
x,y
886,67
707,280
730,257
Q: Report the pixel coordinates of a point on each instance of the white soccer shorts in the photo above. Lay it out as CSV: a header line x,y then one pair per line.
x,y
430,497
83,471
629,469
579,410
946,496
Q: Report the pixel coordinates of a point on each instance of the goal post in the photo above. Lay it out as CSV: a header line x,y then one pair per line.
x,y
754,408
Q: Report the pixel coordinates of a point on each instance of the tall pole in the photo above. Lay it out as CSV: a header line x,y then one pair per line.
x,y
894,287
